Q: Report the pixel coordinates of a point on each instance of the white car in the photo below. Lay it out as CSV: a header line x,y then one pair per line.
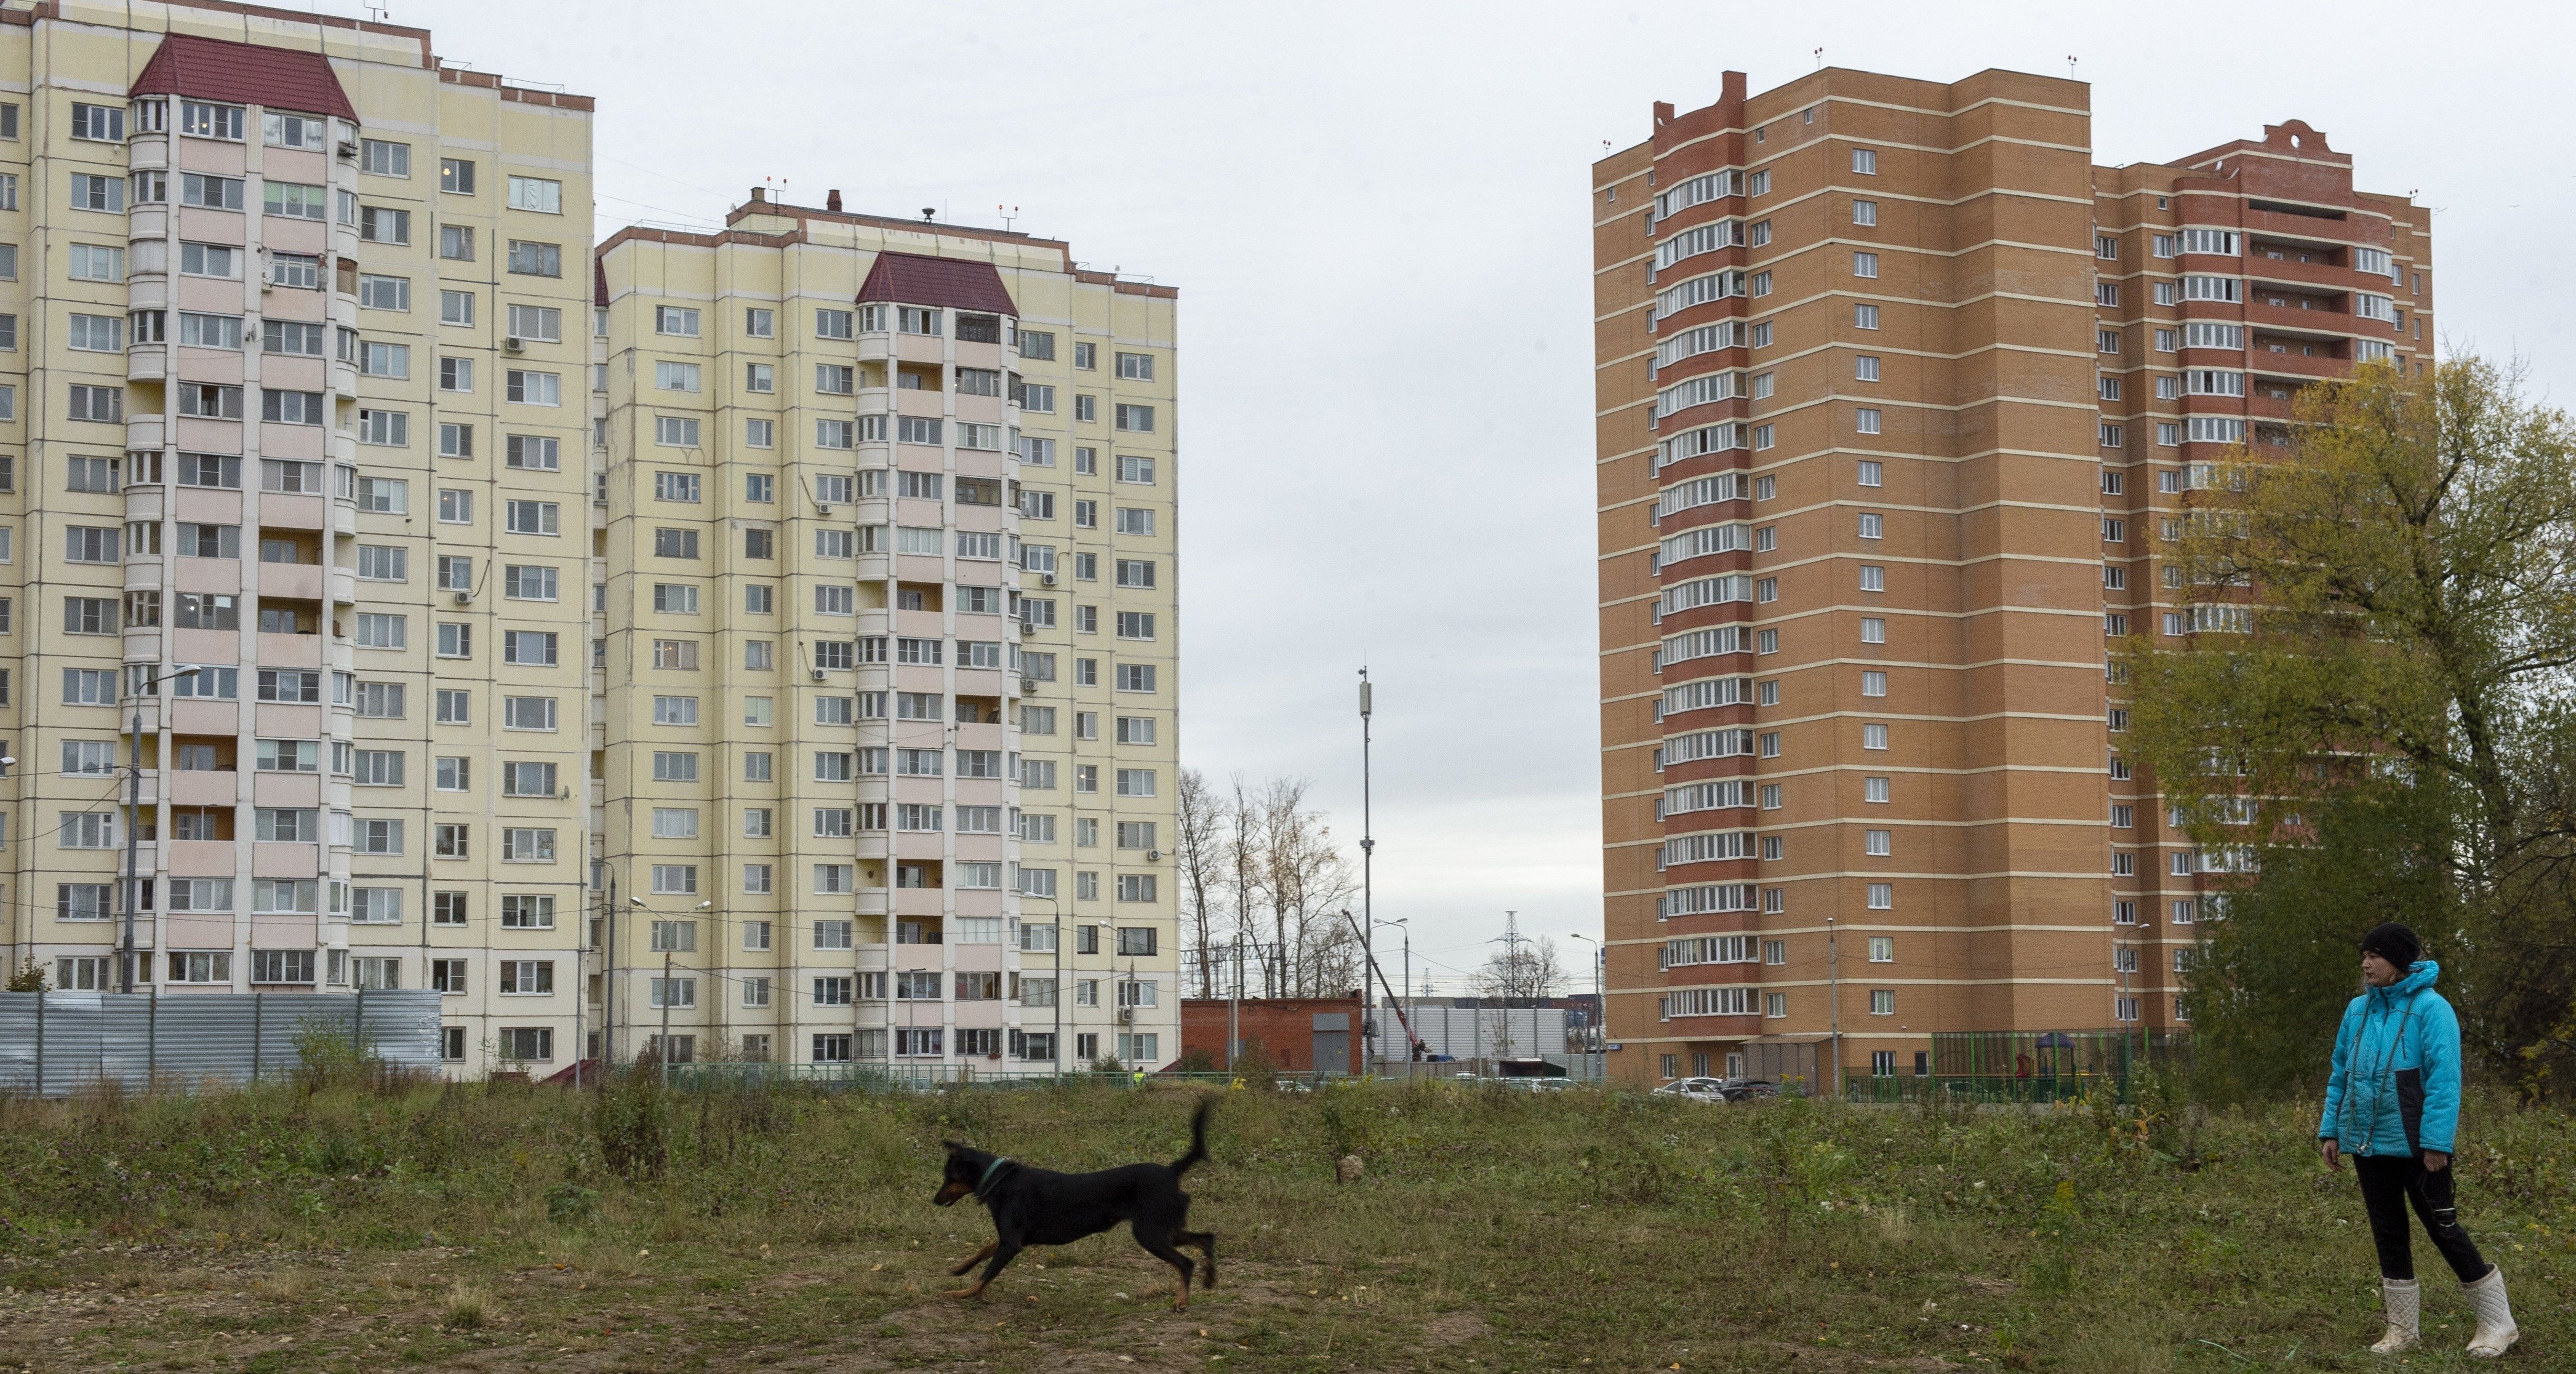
x,y
1696,1089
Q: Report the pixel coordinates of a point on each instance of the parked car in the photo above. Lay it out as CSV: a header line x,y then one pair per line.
x,y
1749,1089
1696,1089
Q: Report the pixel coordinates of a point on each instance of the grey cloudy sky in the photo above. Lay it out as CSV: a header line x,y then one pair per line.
x,y
1376,216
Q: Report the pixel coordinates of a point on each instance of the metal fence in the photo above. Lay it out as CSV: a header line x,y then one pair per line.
x,y
2029,1066
54,1043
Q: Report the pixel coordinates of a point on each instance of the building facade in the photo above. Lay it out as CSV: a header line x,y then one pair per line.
x,y
283,409
885,691
1895,389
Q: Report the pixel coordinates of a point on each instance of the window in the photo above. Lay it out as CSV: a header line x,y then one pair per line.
x,y
1864,316
97,123
101,403
94,262
107,193
541,196
530,517
536,259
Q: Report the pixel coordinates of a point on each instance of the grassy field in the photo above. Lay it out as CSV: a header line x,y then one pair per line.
x,y
510,1228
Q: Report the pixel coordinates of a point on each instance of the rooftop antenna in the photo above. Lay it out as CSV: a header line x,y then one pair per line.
x,y
1820,59
927,212
1007,216
2070,66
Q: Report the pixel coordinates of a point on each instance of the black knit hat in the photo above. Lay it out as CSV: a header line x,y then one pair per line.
x,y
2394,943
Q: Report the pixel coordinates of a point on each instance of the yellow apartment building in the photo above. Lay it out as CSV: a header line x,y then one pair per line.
x,y
885,692
285,403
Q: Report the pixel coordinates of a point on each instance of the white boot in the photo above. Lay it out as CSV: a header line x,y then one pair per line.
x,y
2402,1299
2496,1331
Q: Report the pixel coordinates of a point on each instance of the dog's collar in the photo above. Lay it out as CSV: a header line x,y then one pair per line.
x,y
989,1171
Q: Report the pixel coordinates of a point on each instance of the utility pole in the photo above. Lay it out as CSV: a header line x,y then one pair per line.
x,y
1834,980
662,1053
133,808
1593,1033
1368,856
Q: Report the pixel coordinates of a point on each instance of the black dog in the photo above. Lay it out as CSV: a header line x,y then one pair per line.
x,y
1040,1207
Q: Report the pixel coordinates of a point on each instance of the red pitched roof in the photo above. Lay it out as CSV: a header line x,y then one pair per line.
x,y
245,74
962,284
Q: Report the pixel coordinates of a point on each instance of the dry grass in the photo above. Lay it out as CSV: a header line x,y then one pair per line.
x,y
1486,1231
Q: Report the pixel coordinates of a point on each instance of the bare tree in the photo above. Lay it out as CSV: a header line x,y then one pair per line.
x,y
1244,857
1309,879
1523,969
1199,846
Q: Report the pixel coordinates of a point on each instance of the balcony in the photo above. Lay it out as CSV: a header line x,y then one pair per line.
x,y
285,860
207,787
2263,361
301,581
2306,276
2313,323
2311,228
147,363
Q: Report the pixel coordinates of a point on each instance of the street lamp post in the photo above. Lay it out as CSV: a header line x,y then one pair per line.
x,y
134,804
1402,923
1368,856
1598,1032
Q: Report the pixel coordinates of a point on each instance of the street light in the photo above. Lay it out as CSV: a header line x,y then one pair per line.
x,y
662,1045
1368,853
1410,1043
1599,1030
134,803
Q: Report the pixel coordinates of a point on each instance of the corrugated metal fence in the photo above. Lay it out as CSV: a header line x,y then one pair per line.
x,y
53,1043
1463,1029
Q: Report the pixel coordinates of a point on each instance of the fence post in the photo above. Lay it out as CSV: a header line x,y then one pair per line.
x,y
40,1044
358,1024
152,1039
254,1037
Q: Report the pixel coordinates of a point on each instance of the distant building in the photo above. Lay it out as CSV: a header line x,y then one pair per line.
x,y
1298,1034
1896,391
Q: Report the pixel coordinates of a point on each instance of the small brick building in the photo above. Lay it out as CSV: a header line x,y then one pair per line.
x,y
1294,1031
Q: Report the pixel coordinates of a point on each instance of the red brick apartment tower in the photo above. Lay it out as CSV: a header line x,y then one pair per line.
x,y
1857,521
2227,282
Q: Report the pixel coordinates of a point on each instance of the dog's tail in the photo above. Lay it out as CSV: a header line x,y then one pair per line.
x,y
1198,1136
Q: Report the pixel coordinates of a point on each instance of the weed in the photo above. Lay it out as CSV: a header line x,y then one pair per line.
x,y
463,1310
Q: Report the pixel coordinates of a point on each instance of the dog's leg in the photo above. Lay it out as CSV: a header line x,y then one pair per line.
x,y
975,1259
1159,1245
1003,1251
1205,1243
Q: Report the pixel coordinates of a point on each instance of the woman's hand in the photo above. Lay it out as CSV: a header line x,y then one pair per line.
x,y
2331,1151
2437,1160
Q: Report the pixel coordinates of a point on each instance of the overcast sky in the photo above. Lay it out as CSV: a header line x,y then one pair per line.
x,y
1376,218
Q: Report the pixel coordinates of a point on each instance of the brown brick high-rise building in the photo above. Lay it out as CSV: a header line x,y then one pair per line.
x,y
1895,389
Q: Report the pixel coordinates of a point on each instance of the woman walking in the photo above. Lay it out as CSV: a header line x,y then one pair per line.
x,y
2393,1103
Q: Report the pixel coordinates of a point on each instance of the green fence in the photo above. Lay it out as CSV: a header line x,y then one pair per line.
x,y
2027,1066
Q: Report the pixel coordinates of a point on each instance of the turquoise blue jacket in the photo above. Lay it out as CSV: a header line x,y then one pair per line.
x,y
2396,1083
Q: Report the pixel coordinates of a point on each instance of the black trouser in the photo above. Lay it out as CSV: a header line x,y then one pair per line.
x,y
2388,1184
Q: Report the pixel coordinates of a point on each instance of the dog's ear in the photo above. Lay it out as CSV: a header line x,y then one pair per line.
x,y
954,1147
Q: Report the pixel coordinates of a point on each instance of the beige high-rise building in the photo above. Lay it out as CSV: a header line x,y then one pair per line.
x,y
886,693
1896,391
287,399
